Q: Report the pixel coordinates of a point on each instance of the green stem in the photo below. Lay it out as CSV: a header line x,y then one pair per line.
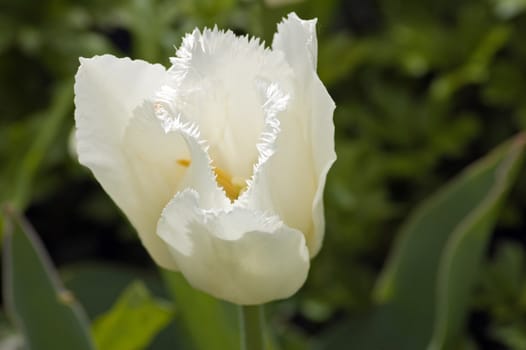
x,y
252,321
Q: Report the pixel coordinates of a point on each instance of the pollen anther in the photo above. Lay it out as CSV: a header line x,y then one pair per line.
x,y
233,186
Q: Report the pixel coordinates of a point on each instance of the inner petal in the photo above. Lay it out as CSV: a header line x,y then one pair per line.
x,y
233,186
214,84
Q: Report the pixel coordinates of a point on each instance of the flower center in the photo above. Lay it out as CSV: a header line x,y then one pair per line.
x,y
232,185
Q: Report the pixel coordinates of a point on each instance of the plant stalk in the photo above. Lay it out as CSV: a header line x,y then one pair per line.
x,y
251,327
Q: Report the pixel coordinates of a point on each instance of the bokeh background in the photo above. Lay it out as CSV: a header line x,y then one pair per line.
x,y
423,89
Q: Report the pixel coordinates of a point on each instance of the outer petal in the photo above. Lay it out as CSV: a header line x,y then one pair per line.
x,y
238,255
305,144
324,155
151,175
107,90
296,38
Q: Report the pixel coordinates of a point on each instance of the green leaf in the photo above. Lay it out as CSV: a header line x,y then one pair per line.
x,y
465,250
460,216
437,252
84,280
47,315
208,321
133,321
59,108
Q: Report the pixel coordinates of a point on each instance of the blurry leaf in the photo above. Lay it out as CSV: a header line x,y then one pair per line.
x,y
60,108
133,321
453,223
466,247
507,9
46,313
84,279
207,320
475,70
466,208
514,336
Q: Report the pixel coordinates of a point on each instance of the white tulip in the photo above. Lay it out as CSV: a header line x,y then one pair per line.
x,y
220,161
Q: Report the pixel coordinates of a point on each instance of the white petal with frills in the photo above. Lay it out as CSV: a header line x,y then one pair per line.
x,y
305,142
239,255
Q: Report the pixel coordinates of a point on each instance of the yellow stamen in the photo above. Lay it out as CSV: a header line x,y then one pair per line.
x,y
233,186
184,162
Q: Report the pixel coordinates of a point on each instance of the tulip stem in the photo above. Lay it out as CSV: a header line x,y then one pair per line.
x,y
251,326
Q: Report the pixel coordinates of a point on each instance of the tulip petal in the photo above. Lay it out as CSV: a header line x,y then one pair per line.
x,y
305,144
283,145
296,38
156,146
199,176
107,90
213,82
152,175
322,133
238,255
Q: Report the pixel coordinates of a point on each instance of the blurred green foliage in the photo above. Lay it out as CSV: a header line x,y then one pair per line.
x,y
422,296
46,314
136,315
423,89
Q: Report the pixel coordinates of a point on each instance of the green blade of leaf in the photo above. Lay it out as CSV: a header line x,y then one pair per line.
x,y
421,242
59,109
210,323
434,239
133,321
410,278
47,315
465,250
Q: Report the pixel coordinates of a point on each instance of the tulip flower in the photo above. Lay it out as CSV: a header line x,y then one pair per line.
x,y
220,161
